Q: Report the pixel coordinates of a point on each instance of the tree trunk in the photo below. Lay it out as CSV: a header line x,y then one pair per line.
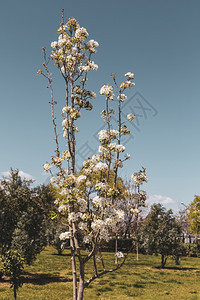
x,y
73,261
116,250
15,293
81,281
137,251
164,259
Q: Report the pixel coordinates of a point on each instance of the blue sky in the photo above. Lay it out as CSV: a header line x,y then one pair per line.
x,y
157,40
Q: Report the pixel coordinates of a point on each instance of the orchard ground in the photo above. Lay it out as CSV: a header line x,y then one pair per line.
x,y
50,278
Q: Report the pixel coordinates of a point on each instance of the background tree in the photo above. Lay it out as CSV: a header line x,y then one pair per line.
x,y
13,267
193,216
161,234
24,216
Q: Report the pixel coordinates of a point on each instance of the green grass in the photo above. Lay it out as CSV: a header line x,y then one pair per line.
x,y
50,278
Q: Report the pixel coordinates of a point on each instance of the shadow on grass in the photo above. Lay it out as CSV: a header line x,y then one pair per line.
x,y
39,279
175,268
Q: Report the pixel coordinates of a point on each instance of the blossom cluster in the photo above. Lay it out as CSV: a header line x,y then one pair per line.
x,y
139,178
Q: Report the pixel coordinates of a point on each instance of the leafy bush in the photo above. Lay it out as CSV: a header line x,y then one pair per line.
x,y
192,250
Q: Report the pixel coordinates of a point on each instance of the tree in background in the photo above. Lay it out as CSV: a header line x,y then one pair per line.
x,y
90,220
24,216
13,267
193,216
161,234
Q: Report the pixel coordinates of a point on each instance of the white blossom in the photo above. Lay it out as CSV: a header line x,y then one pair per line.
x,y
130,117
87,239
47,167
106,89
119,254
81,33
127,84
62,208
81,178
65,235
103,135
101,167
54,44
82,204
99,201
122,97
73,217
92,65
82,226
53,180
129,75
119,148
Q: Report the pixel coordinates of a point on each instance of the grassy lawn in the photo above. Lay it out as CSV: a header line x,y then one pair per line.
x,y
50,278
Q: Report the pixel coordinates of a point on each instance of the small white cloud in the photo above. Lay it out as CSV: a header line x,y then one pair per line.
x,y
160,199
22,174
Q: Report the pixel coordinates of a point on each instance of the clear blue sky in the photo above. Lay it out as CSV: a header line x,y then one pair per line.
x,y
158,40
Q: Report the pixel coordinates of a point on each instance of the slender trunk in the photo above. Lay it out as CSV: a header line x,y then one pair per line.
x,y
162,262
81,281
15,293
116,250
164,259
73,261
137,251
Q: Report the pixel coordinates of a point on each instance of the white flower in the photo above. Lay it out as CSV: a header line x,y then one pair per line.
x,y
66,155
135,211
82,226
127,84
101,186
82,204
62,208
114,132
81,33
66,109
130,117
81,178
127,156
53,180
64,192
84,68
92,44
103,135
122,97
139,178
73,217
98,257
120,214
95,158
102,149
129,75
119,254
54,44
106,90
97,224
98,201
92,65
56,202
47,167
93,94
65,235
86,239
101,167
119,148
